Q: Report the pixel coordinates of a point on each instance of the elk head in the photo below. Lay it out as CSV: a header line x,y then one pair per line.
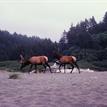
x,y
23,62
57,55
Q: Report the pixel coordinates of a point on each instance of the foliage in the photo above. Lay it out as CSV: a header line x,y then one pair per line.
x,y
10,65
12,45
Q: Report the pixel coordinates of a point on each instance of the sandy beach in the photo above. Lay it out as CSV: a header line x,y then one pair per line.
x,y
87,89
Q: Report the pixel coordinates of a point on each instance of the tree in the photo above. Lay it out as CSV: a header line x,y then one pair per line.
x,y
12,45
105,18
105,21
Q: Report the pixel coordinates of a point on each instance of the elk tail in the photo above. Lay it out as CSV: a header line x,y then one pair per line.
x,y
46,58
74,58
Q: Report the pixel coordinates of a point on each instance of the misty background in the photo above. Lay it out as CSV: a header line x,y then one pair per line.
x,y
47,18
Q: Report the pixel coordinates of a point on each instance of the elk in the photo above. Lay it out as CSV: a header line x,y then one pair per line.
x,y
63,60
35,60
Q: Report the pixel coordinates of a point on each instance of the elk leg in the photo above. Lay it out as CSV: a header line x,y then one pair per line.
x,y
77,66
44,67
35,68
30,68
72,67
60,67
49,67
64,68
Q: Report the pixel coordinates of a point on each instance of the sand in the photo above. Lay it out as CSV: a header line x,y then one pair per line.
x,y
88,89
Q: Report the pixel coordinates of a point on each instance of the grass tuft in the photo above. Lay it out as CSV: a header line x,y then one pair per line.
x,y
14,76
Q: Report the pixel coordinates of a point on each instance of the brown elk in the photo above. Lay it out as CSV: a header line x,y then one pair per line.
x,y
63,60
34,60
